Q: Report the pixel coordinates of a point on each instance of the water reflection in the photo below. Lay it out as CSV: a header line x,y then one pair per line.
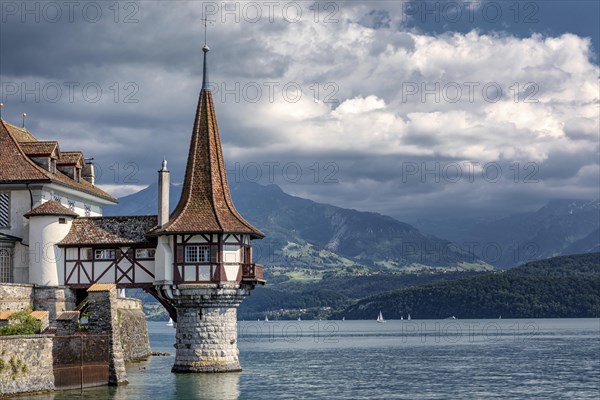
x,y
225,386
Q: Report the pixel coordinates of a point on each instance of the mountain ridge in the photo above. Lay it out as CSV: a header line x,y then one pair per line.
x,y
309,236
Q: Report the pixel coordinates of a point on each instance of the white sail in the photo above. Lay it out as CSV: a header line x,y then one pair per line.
x,y
266,319
171,322
380,317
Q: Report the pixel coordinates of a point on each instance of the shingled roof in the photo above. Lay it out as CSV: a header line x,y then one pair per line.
x,y
110,231
51,207
71,158
205,204
17,167
40,148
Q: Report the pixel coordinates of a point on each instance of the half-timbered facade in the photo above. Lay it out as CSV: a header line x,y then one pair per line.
x,y
196,261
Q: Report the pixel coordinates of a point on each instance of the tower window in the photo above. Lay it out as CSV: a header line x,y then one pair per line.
x,y
197,254
62,220
4,210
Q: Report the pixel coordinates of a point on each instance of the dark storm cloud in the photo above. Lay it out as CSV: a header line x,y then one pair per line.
x,y
314,153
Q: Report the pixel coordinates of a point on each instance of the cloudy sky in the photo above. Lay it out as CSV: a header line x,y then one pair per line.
x,y
411,109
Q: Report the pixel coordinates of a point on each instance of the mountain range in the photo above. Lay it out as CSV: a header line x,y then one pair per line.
x,y
560,227
306,240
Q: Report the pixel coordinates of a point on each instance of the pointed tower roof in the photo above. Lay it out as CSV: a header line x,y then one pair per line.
x,y
205,204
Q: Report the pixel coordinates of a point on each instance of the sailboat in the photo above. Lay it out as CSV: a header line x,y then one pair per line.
x,y
380,318
299,319
343,318
401,318
408,317
171,322
266,319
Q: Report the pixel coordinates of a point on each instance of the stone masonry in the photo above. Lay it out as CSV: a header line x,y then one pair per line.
x,y
206,338
133,329
25,364
102,305
15,296
54,299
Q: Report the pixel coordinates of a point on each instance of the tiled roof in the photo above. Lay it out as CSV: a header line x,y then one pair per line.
x,y
205,204
39,314
70,158
15,166
51,207
68,316
40,148
21,134
4,315
102,287
110,231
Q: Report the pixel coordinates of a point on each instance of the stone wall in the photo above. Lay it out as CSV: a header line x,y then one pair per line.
x,y
15,297
102,306
54,300
25,364
133,329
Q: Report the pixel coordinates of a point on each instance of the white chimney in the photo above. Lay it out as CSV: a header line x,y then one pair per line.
x,y
163,194
88,171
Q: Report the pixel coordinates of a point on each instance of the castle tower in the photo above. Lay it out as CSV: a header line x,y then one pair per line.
x,y
204,267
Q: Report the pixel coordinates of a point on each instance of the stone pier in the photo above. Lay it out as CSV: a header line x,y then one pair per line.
x,y
206,338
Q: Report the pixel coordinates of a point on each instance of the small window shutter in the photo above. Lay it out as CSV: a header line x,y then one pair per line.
x,y
214,252
179,256
90,254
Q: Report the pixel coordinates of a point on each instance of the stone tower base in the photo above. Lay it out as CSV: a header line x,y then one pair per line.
x,y
206,338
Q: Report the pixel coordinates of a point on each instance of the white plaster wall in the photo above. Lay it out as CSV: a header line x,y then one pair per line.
x,y
21,263
79,207
163,259
19,205
45,257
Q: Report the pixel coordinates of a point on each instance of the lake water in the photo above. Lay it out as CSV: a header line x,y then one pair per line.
x,y
428,359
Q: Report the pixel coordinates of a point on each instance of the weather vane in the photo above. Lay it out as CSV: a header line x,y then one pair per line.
x,y
205,20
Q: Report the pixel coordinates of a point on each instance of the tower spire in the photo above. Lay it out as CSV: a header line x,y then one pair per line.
x,y
205,49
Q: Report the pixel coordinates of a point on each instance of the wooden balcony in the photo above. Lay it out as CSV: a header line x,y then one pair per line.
x,y
253,273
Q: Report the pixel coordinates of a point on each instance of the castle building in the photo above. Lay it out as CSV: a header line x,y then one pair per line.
x,y
196,261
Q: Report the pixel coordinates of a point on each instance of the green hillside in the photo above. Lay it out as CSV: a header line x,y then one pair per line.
x,y
560,287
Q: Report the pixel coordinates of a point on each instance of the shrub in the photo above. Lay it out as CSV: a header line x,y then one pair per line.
x,y
21,323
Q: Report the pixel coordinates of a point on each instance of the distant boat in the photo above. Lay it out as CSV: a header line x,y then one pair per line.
x,y
299,319
408,317
380,318
500,317
401,318
266,319
171,322
343,318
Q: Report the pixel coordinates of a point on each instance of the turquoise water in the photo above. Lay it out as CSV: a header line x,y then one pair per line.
x,y
442,359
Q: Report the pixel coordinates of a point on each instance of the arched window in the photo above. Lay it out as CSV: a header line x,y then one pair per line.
x,y
5,265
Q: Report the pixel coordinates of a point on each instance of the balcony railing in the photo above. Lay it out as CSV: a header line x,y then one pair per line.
x,y
253,273
250,273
